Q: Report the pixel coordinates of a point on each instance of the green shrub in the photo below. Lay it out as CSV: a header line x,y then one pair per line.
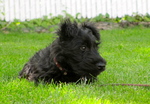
x,y
49,24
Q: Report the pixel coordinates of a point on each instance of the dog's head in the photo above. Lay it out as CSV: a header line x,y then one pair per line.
x,y
79,49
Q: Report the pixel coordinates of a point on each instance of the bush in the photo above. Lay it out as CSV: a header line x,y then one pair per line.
x,y
46,24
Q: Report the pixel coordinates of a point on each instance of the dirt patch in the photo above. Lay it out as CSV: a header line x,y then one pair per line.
x,y
106,25
109,26
99,25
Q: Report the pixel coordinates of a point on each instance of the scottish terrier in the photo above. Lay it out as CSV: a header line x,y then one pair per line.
x,y
72,57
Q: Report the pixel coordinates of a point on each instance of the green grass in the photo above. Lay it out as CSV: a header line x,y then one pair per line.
x,y
127,52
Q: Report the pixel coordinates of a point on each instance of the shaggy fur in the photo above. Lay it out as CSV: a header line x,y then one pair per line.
x,y
72,57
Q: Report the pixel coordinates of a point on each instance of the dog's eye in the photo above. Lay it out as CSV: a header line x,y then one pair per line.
x,y
83,48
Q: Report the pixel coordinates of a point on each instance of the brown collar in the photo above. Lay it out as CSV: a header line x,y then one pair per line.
x,y
59,66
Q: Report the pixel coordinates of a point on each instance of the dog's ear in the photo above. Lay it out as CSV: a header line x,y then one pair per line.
x,y
93,29
68,30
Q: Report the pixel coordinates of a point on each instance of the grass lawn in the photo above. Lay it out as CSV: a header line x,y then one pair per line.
x,y
127,52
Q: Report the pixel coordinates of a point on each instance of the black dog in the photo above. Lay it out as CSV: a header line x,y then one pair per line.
x,y
72,57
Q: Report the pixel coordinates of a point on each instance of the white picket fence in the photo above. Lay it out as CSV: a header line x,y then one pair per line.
x,y
30,9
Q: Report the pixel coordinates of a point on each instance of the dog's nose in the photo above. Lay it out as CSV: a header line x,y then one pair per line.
x,y
101,66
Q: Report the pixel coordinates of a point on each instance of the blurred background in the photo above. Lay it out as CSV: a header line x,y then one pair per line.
x,y
31,9
45,15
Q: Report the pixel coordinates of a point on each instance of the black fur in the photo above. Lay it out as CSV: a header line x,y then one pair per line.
x,y
76,52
